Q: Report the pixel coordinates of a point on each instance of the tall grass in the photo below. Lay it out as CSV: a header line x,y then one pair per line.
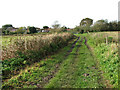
x,y
33,43
25,51
113,36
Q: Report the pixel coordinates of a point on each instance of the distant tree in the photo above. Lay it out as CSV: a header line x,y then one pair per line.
x,y
56,25
113,26
64,29
95,28
85,24
118,27
4,27
6,32
32,30
45,27
100,25
21,30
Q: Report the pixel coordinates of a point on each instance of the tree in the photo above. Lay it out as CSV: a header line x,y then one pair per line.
x,y
95,28
100,25
4,27
64,29
118,27
32,30
113,26
45,27
85,24
79,29
21,30
56,25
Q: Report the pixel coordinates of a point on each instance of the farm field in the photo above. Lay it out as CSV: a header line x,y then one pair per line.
x,y
8,39
63,61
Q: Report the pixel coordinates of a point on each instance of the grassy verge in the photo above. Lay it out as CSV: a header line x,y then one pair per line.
x,y
107,58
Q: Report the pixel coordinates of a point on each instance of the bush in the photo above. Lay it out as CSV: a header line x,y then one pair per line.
x,y
21,30
32,30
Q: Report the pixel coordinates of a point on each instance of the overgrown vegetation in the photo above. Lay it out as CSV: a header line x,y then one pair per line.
x,y
106,52
90,63
50,58
25,51
36,75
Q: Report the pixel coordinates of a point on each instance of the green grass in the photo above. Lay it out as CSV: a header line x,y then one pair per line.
x,y
107,58
109,65
71,74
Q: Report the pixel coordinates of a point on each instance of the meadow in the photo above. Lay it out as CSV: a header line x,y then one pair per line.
x,y
61,60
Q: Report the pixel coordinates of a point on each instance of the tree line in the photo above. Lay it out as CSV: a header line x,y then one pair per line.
x,y
85,25
8,29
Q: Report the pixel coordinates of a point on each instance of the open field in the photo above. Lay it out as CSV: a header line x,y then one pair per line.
x,y
112,35
80,61
6,40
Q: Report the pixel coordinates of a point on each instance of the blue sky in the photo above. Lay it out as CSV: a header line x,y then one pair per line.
x,y
44,12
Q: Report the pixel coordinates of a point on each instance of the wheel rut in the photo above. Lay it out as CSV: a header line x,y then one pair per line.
x,y
46,79
101,81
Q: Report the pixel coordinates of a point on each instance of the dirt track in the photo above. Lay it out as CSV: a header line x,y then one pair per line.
x,y
77,69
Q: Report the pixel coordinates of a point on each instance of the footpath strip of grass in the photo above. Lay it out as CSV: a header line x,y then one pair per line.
x,y
62,79
78,71
35,76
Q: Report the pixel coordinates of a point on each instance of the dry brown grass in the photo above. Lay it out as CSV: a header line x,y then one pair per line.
x,y
114,35
34,43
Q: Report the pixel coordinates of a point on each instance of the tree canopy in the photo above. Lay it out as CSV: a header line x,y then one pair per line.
x,y
56,25
21,30
45,27
32,30
100,25
86,22
4,27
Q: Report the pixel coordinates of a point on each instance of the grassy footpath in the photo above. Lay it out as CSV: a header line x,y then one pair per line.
x,y
78,71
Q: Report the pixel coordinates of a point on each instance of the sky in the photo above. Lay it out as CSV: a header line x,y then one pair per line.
x,y
40,13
